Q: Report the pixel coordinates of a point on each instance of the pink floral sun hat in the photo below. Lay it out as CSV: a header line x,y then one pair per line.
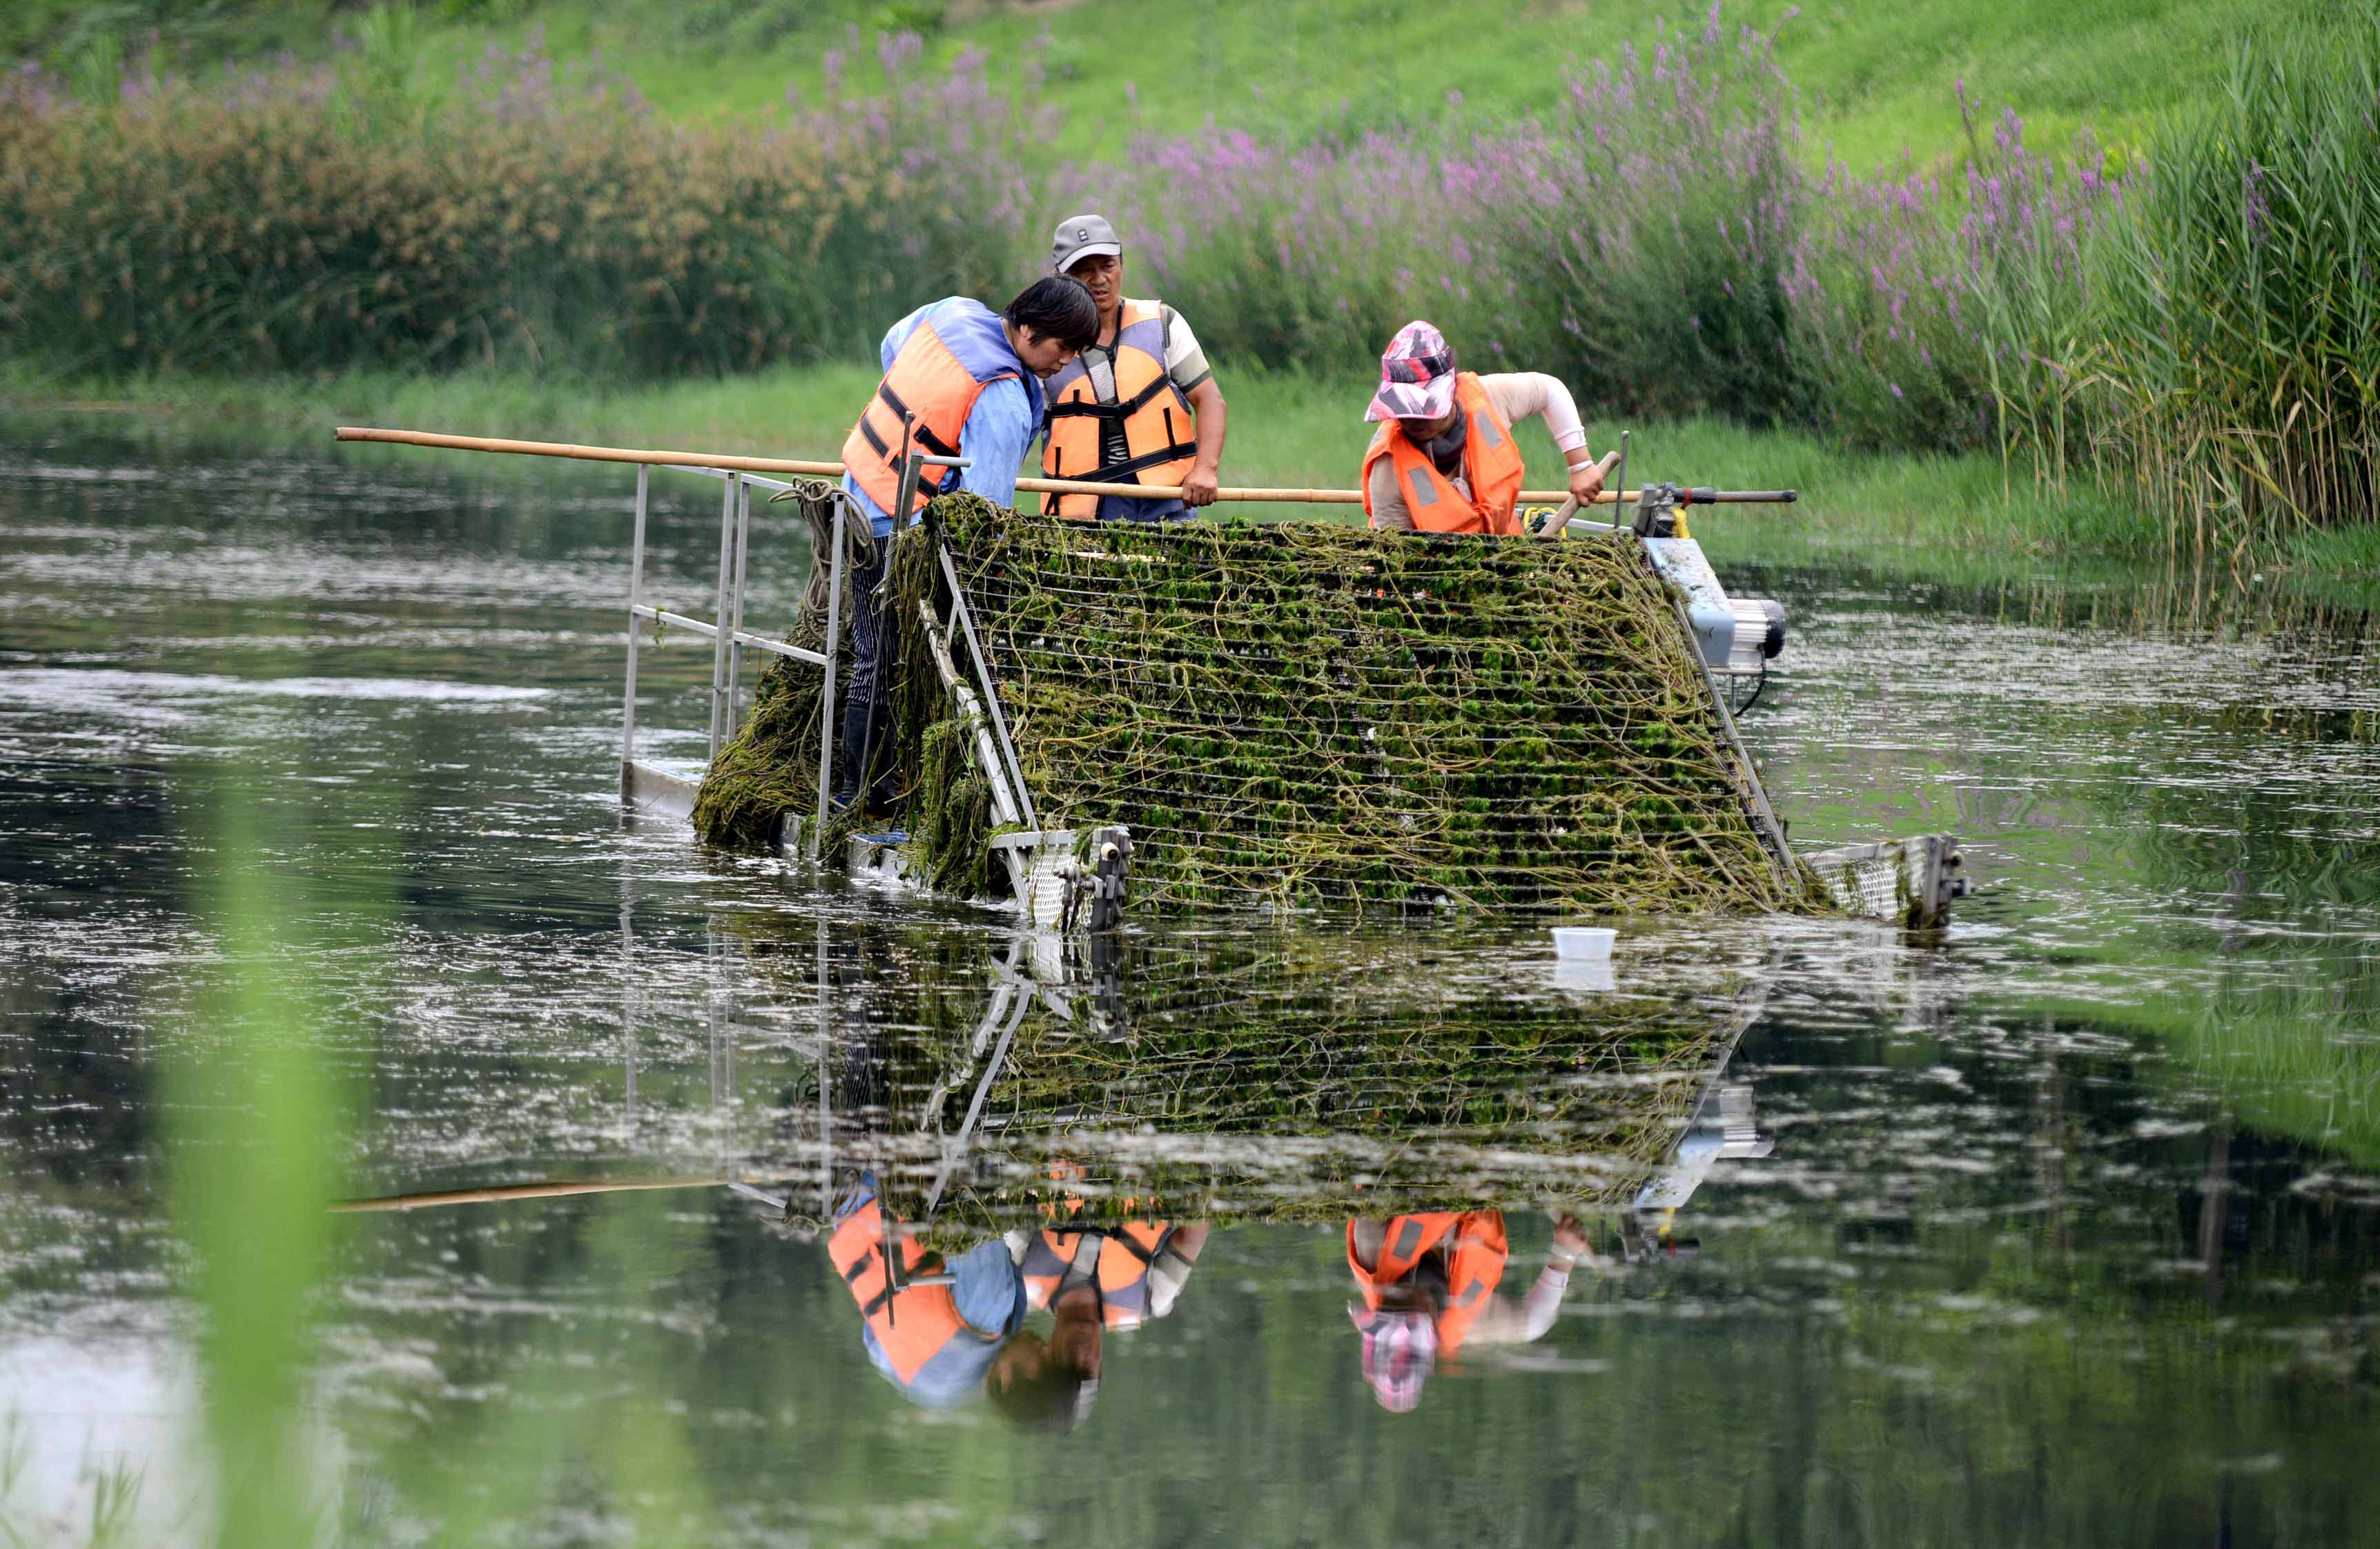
x,y
1400,1352
1416,375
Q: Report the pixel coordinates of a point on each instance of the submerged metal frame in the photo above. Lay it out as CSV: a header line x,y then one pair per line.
x,y
643,785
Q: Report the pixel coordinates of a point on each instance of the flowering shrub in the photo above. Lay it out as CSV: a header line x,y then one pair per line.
x,y
1633,242
1653,220
1926,314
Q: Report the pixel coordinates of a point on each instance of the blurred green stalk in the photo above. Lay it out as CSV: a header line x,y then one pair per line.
x,y
254,1116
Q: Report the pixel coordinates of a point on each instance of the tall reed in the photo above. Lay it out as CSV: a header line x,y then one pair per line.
x,y
2231,365
1929,305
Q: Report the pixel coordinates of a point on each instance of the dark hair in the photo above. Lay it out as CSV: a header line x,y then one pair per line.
x,y
1057,306
1048,1401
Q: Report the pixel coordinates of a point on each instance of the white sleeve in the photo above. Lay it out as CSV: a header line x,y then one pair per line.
x,y
1519,395
1165,1280
1503,1322
1544,1302
1179,342
1185,362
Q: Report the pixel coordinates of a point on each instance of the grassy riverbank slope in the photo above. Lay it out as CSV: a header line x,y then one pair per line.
x,y
1875,80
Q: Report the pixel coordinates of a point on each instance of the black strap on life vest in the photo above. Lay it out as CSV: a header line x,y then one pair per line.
x,y
1113,472
1125,1242
1091,408
933,443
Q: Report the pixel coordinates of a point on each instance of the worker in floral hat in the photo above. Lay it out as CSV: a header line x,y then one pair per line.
x,y
1428,1285
1444,459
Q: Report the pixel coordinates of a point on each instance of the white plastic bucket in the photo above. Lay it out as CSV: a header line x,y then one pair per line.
x,y
1583,941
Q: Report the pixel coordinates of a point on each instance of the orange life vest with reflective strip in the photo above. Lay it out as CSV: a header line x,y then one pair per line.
x,y
1491,466
1475,1254
911,1325
1122,1272
1160,434
956,350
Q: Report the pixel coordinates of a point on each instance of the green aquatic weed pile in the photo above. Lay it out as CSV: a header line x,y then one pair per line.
x,y
1297,713
768,771
1300,713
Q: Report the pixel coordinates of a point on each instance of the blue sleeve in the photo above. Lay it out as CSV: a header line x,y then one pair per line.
x,y
894,337
997,433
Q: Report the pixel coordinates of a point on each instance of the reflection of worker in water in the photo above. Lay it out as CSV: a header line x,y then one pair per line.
x,y
1428,1287
944,1331
939,1334
1093,1280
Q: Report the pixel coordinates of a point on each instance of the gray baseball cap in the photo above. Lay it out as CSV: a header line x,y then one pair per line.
x,y
1081,236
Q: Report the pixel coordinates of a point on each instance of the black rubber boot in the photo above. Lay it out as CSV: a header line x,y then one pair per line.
x,y
855,746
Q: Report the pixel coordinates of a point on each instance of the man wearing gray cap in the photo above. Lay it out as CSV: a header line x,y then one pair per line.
x,y
1140,406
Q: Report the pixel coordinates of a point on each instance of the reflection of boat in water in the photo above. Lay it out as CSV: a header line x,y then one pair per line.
x,y
1051,1129
1277,1078
1269,1077
1108,1090
1205,716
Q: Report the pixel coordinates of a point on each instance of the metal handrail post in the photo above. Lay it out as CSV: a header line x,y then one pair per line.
x,y
735,608
843,507
720,639
912,467
1619,483
628,1005
636,597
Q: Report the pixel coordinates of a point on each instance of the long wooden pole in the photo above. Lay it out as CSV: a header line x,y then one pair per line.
x,y
520,1191
834,469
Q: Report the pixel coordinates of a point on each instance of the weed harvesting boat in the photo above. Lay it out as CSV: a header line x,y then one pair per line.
x,y
1226,715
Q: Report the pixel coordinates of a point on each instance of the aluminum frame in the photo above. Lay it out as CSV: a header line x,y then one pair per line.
x,y
725,630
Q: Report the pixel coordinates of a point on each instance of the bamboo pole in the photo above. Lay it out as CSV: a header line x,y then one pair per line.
x,y
834,470
519,1192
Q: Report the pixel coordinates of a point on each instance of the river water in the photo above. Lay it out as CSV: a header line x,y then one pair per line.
x,y
2062,1229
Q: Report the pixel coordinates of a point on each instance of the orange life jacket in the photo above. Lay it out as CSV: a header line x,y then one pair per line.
x,y
1122,1272
912,1325
1475,1264
1160,434
1491,466
955,350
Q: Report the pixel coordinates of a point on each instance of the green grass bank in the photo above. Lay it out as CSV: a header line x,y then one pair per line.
x,y
1875,80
